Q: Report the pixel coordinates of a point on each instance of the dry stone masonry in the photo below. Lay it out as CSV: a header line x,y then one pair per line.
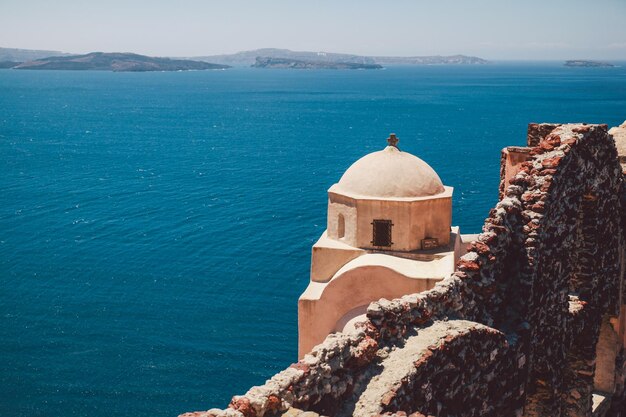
x,y
532,322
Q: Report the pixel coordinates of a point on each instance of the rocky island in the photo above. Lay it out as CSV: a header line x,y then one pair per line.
x,y
269,62
430,60
48,59
248,58
585,63
102,61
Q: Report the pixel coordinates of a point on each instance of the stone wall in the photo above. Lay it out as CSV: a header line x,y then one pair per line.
x,y
522,315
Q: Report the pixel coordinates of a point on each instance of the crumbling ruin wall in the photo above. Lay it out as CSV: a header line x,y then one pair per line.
x,y
468,369
573,182
543,280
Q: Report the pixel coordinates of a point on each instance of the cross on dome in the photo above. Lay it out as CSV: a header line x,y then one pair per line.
x,y
392,140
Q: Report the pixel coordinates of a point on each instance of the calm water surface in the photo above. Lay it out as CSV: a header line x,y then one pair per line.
x,y
155,228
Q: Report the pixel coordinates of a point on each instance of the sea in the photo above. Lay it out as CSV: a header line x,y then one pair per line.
x,y
156,228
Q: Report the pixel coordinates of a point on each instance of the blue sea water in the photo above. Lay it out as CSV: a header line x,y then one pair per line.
x,y
155,228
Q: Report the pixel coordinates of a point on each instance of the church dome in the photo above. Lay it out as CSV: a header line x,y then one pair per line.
x,y
390,173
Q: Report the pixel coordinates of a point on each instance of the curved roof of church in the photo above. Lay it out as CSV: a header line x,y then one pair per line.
x,y
390,173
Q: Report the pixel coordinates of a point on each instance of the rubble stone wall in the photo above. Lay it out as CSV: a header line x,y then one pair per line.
x,y
474,369
541,278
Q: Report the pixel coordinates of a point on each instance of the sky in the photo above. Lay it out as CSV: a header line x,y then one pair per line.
x,y
491,29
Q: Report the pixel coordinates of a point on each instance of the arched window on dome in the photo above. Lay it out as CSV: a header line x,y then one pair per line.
x,y
341,226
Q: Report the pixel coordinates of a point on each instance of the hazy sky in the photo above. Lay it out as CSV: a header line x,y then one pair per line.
x,y
493,29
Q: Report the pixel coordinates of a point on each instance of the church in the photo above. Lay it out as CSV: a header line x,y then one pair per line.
x,y
389,233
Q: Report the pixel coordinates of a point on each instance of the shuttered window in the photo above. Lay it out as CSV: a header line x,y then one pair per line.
x,y
381,232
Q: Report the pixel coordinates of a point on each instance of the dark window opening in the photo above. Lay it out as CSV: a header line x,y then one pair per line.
x,y
381,230
341,226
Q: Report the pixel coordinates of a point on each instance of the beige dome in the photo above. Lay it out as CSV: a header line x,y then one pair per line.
x,y
390,173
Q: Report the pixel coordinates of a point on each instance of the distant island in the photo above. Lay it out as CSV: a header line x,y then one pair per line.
x,y
585,63
102,61
430,60
269,62
248,58
258,58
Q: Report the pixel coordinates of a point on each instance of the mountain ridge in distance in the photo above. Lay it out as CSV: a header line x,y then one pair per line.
x,y
116,61
248,58
290,63
13,56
